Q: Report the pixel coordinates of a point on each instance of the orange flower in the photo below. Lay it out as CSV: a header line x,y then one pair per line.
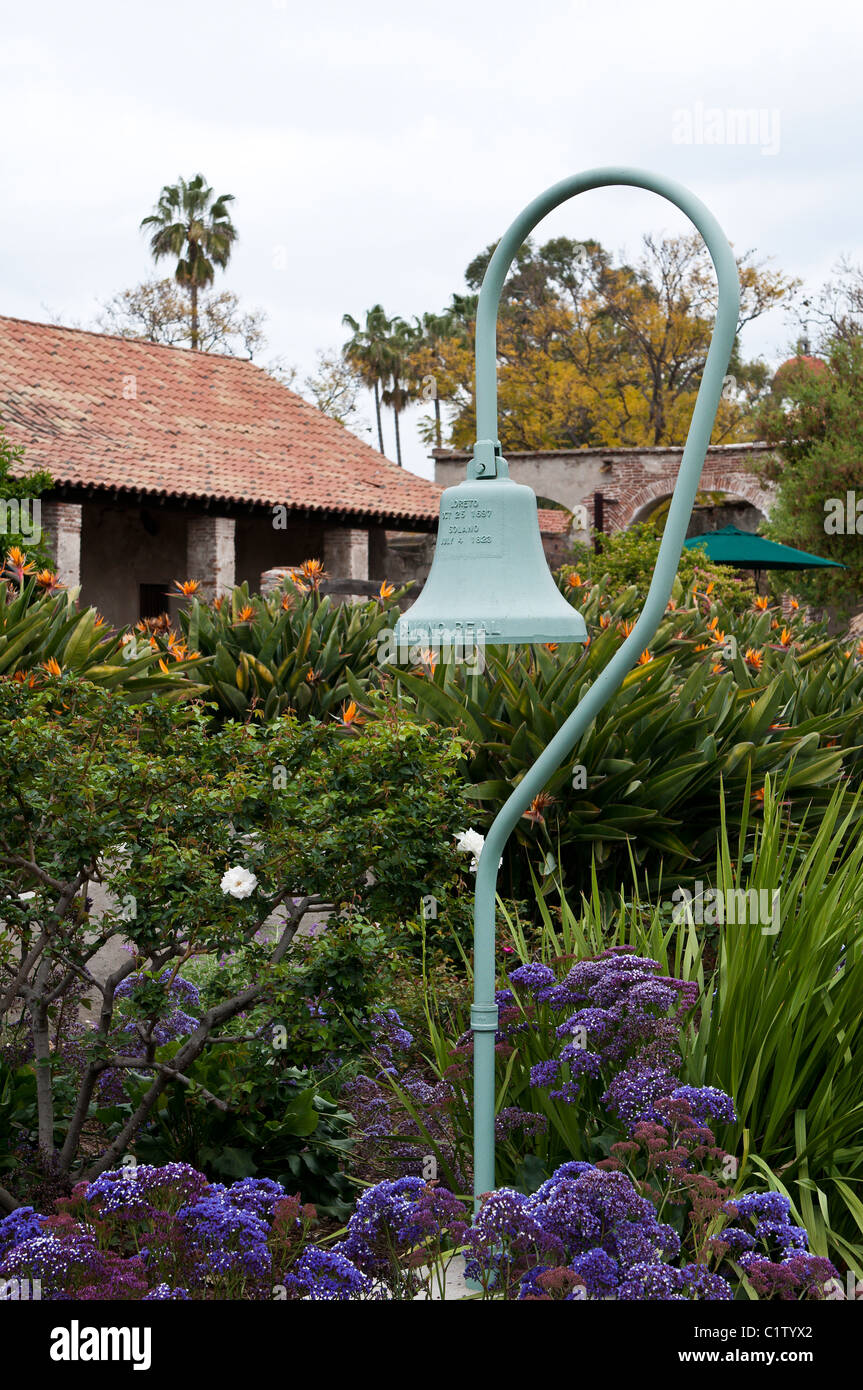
x,y
785,637
25,678
246,613
759,794
774,624
716,635
47,579
574,580
537,808
386,590
671,606
714,622
163,665
312,676
551,646
794,605
604,620
645,659
298,582
314,572
350,714
52,667
187,587
428,659
717,668
218,601
754,659
99,621
702,647
287,602
17,563
762,603
625,627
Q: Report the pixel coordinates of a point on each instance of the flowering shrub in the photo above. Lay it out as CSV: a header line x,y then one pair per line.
x,y
585,1234
364,822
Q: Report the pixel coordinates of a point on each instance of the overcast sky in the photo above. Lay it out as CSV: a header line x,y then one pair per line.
x,y
374,148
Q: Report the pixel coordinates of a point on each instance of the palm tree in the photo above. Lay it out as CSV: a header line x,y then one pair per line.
x,y
397,393
193,225
367,352
432,331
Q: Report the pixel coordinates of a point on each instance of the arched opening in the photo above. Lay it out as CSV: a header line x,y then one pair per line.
x,y
712,511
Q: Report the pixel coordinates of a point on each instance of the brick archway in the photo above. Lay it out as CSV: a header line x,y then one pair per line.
x,y
639,503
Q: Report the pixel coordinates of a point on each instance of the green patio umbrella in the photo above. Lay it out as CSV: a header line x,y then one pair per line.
x,y
745,550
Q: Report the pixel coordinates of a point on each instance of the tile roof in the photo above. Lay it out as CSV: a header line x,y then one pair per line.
x,y
115,413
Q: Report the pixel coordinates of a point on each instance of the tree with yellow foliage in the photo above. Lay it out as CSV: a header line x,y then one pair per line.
x,y
591,353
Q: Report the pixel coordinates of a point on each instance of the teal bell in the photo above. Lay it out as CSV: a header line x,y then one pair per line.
x,y
489,581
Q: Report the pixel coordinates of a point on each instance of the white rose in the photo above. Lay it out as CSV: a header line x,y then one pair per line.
x,y
238,882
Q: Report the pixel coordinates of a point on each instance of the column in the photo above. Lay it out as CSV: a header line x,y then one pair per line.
x,y
61,523
210,555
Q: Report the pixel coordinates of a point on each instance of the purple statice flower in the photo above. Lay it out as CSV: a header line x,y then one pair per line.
x,y
62,1266
707,1103
533,976
164,1291
227,1240
328,1275
511,1118
588,1209
597,1023
507,1239
117,1194
656,1283
702,1284
738,1241
777,1234
395,1216
633,1093
182,993
19,1226
390,1029
761,1206
799,1277
257,1195
597,1272
136,1191
545,1073
644,1242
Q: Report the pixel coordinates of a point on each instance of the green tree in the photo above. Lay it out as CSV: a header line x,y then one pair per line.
x,y
367,351
398,391
814,417
189,222
595,353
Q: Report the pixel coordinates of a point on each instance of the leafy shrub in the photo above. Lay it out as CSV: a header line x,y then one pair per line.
x,y
293,650
644,778
628,558
44,633
266,814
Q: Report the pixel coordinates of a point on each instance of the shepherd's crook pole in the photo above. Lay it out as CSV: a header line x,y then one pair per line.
x,y
484,1014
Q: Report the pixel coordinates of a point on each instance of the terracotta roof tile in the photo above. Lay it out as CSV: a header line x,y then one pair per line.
x,y
115,413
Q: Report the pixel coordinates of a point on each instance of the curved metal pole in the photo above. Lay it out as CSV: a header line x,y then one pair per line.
x,y
484,1011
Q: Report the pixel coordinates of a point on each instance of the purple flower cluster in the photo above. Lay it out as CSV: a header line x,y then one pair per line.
x,y
397,1216
773,1252
328,1275
619,1012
